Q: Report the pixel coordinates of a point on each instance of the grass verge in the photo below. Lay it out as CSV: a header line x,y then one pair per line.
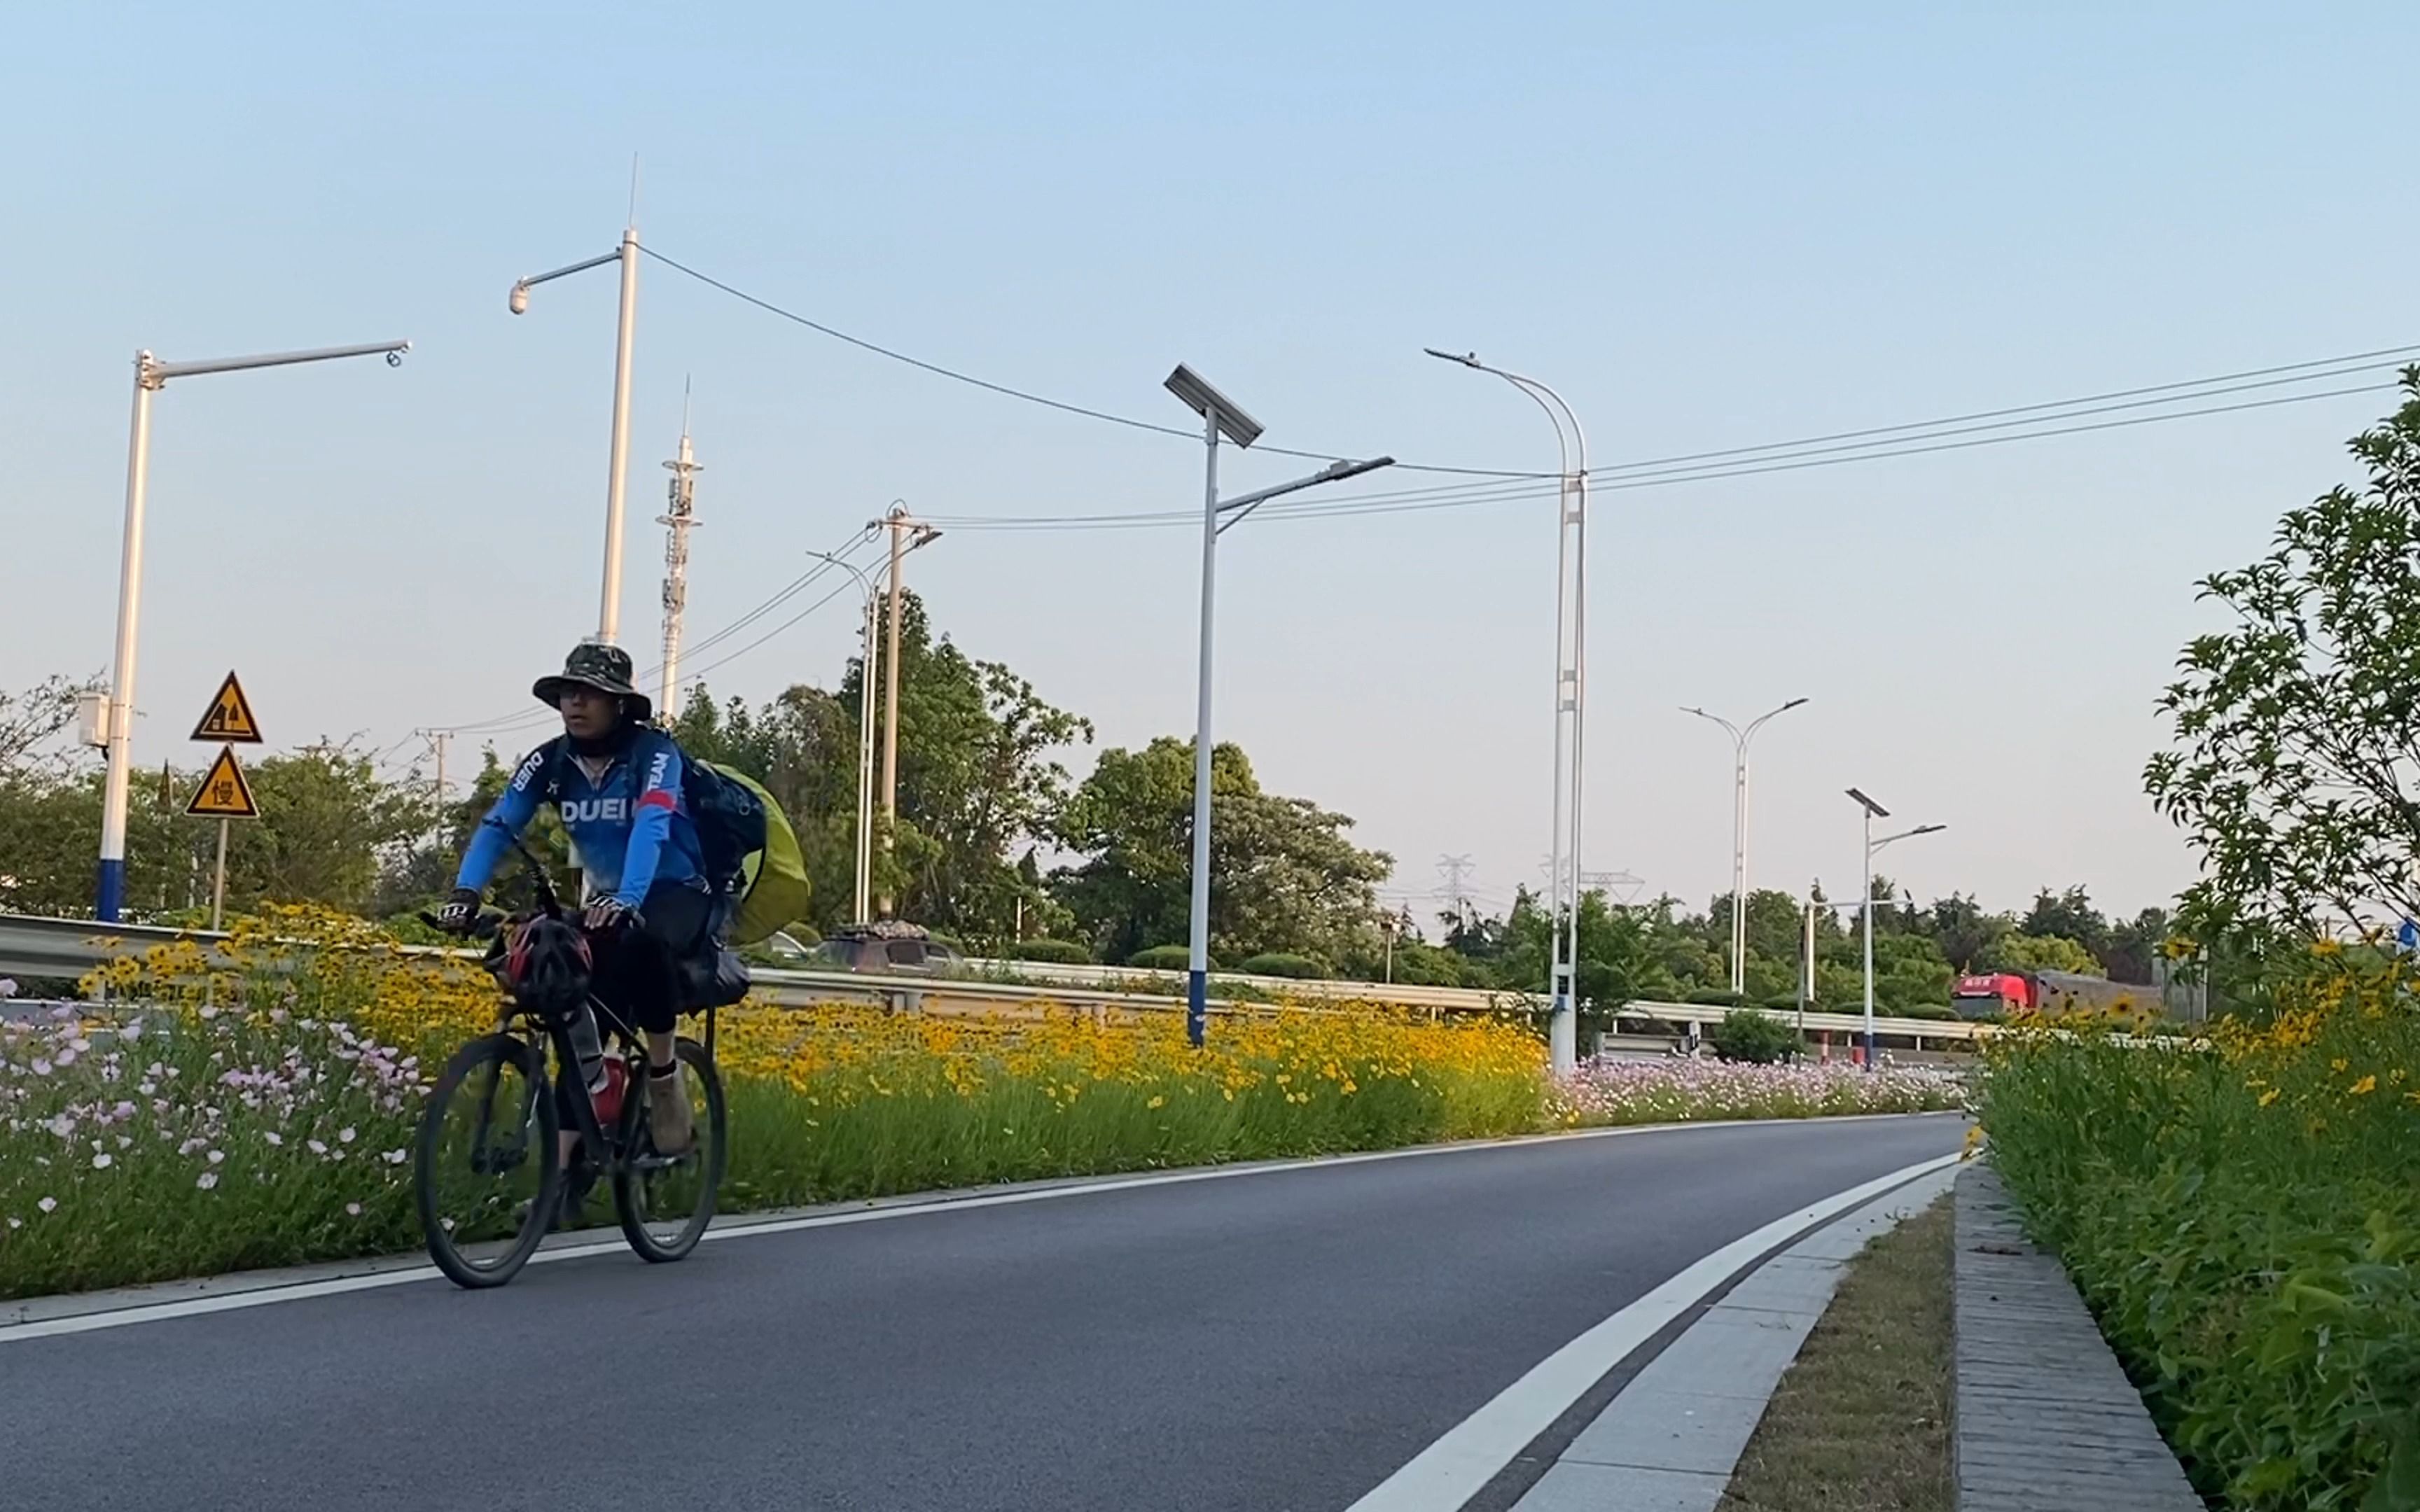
x,y
1861,1421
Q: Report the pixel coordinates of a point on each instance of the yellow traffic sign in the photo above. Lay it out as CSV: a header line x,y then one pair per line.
x,y
224,794
229,718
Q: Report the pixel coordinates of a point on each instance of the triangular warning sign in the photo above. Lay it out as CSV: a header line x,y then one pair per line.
x,y
224,794
230,718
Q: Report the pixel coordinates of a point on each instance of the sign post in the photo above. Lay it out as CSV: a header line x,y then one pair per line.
x,y
225,796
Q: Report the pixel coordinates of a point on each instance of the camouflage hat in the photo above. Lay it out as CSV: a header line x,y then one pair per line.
x,y
606,669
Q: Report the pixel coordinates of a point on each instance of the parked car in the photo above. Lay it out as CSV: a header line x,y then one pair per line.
x,y
884,948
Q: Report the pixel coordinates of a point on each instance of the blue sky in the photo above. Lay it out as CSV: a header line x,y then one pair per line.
x,y
1708,226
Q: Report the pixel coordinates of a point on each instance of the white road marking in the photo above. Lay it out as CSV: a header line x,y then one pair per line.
x,y
1451,1470
338,1286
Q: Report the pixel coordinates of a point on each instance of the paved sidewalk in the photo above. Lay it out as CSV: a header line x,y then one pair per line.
x,y
2046,1417
1668,1441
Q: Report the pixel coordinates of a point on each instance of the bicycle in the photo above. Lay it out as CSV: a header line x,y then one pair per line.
x,y
543,959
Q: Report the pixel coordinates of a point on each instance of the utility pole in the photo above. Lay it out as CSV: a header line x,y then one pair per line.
x,y
438,740
1806,963
677,518
907,533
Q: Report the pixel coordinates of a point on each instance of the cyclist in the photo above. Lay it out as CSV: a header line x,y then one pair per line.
x,y
616,783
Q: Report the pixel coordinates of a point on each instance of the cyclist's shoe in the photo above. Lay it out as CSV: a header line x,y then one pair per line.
x,y
669,1124
577,1184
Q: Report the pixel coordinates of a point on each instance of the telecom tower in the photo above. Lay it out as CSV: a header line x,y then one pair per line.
x,y
678,517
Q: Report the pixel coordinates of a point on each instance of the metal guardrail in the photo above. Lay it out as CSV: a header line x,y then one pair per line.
x,y
1404,994
70,947
1886,1026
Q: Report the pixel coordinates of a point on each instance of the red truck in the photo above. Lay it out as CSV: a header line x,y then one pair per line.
x,y
2053,992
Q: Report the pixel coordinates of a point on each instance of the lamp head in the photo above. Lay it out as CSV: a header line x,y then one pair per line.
x,y
517,301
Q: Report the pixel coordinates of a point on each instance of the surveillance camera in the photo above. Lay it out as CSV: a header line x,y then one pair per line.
x,y
394,359
519,300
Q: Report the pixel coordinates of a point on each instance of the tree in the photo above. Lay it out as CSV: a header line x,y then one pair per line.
x,y
329,827
327,822
2042,953
2297,727
2067,916
803,746
979,780
1963,932
2135,944
31,720
1284,877
980,783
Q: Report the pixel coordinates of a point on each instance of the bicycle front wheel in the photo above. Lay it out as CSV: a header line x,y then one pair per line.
x,y
487,1178
665,1201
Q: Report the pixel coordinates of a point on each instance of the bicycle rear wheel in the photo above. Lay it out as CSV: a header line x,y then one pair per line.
x,y
488,1176
666,1201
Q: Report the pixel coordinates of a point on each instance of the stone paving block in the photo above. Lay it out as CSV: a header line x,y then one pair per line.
x,y
2046,1419
1787,1285
1737,1354
1669,1430
1577,1488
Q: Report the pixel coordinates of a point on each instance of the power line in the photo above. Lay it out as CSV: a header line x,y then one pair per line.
x,y
1944,428
525,720
1678,467
1028,396
2036,409
1472,495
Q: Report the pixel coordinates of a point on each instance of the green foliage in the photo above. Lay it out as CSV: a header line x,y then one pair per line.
x,y
1056,952
1283,875
1963,932
2245,1224
2041,952
2293,725
1279,963
329,827
1753,1036
1166,958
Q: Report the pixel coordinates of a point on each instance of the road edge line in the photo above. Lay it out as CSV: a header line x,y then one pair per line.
x,y
1460,1463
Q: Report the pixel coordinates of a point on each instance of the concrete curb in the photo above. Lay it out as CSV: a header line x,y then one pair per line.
x,y
1670,1438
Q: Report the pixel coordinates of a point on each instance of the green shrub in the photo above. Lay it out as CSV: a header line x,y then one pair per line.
x,y
1713,999
1783,1002
1928,1010
1053,952
2245,1223
1279,963
1746,1033
1165,957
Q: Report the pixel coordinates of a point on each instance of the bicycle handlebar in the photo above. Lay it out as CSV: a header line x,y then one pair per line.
x,y
488,923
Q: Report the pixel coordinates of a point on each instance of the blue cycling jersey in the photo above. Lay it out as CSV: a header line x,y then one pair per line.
x,y
629,826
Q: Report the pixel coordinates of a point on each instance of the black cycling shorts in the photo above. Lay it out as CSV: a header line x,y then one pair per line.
x,y
638,971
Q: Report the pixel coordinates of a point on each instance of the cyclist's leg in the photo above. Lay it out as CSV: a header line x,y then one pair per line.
x,y
644,989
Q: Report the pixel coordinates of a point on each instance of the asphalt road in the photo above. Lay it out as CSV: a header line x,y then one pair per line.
x,y
1265,1342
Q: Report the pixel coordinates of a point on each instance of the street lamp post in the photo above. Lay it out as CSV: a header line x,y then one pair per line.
x,y
1740,739
608,607
150,375
1866,897
1571,694
1220,416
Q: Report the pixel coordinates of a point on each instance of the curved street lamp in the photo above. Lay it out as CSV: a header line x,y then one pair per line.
x,y
1740,739
1571,693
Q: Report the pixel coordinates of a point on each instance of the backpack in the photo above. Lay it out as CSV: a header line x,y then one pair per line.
x,y
746,846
